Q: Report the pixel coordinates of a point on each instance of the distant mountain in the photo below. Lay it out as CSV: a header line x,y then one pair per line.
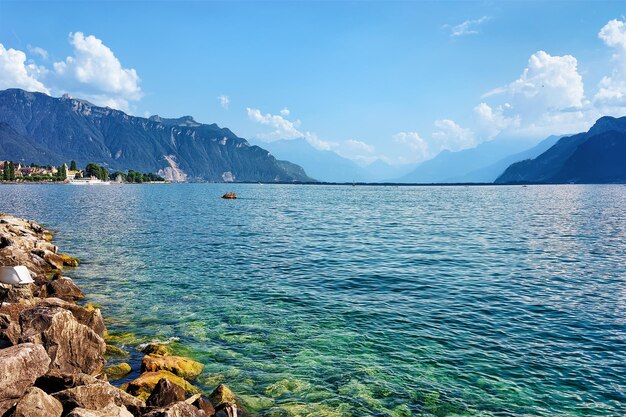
x,y
493,171
596,156
328,166
467,165
46,130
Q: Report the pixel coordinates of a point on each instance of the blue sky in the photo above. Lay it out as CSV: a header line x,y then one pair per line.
x,y
394,80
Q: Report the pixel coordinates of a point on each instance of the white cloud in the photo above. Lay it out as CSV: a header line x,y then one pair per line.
x,y
285,112
469,27
358,146
547,98
94,72
419,149
36,50
283,128
16,73
612,88
224,101
452,136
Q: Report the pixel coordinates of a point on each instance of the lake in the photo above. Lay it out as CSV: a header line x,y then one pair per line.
x,y
367,300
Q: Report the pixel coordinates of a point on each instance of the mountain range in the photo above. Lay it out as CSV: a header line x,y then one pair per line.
x,y
328,166
37,128
595,156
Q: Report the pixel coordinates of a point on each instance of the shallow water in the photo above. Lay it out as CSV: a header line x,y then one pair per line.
x,y
363,301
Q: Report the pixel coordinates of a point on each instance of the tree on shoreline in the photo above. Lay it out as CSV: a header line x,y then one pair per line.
x,y
73,166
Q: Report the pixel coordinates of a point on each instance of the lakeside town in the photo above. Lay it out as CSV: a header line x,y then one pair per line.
x,y
16,172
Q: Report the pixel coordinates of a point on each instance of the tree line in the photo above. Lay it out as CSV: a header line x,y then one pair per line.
x,y
91,170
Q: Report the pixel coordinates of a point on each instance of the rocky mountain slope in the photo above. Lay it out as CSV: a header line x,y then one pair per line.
x,y
596,156
46,130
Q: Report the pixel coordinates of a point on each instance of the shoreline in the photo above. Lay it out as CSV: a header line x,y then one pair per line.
x,y
57,357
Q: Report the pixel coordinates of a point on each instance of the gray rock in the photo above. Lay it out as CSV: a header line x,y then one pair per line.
x,y
72,347
110,410
36,403
180,409
20,366
97,397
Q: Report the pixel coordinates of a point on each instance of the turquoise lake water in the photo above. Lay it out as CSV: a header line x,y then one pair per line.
x,y
363,301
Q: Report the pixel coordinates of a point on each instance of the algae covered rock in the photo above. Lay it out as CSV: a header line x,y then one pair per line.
x,y
36,403
68,260
142,386
178,365
118,371
156,349
165,393
222,394
20,366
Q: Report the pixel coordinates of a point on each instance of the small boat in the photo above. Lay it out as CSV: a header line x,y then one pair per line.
x,y
229,196
15,275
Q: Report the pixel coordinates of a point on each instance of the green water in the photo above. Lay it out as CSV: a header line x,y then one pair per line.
x,y
363,301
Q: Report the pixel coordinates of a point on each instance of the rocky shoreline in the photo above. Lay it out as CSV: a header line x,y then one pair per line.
x,y
53,351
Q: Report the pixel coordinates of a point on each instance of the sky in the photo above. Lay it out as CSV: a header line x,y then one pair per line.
x,y
397,81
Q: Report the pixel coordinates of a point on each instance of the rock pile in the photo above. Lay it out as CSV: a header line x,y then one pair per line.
x,y
52,350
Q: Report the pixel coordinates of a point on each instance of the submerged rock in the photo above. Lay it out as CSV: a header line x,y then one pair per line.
x,y
36,403
20,366
165,393
178,365
72,347
142,386
118,371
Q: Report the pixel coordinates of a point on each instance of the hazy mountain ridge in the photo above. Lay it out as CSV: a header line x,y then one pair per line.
x,y
328,166
56,130
596,156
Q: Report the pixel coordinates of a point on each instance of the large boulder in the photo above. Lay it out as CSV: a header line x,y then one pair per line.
x,y
178,365
90,317
142,386
20,366
180,409
55,381
97,397
65,289
36,403
165,393
72,347
110,410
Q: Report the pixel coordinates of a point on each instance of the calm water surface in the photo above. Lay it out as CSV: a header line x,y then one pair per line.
x,y
363,301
